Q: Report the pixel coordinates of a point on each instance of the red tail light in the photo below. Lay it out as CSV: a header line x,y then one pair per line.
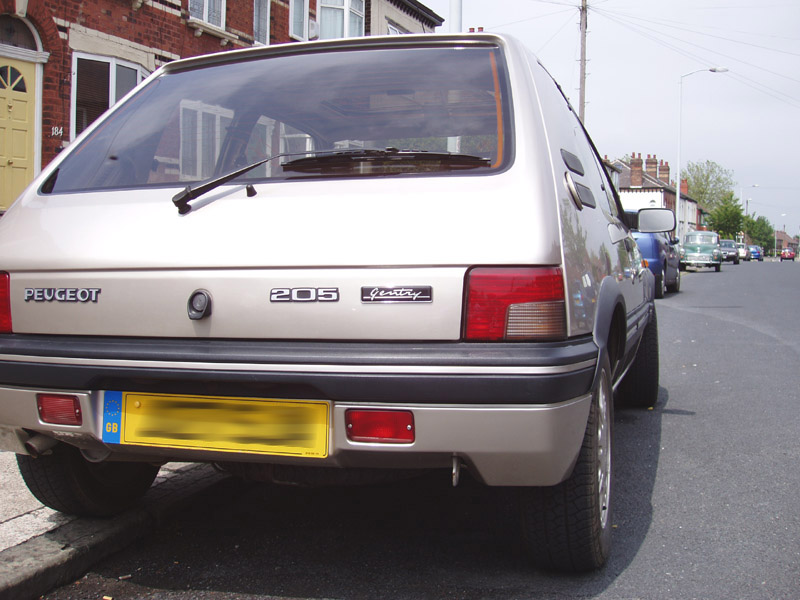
x,y
60,409
383,426
5,303
518,303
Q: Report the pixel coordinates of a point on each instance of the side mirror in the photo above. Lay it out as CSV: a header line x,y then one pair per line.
x,y
655,220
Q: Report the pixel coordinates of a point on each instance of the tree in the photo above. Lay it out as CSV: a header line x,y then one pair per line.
x,y
759,230
709,183
727,217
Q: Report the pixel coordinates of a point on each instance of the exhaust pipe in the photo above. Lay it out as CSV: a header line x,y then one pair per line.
x,y
39,444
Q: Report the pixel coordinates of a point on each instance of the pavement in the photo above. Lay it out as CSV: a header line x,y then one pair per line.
x,y
41,549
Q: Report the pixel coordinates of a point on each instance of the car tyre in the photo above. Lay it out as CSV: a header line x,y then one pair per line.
x,y
639,388
660,286
65,481
567,527
718,268
675,286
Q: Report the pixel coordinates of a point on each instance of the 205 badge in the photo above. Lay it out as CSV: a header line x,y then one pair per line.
x,y
422,293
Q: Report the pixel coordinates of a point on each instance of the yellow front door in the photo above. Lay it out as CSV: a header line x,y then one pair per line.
x,y
17,114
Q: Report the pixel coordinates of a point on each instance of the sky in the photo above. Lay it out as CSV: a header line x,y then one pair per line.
x,y
642,52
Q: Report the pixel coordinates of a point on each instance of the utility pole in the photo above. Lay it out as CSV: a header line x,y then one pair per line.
x,y
455,16
582,98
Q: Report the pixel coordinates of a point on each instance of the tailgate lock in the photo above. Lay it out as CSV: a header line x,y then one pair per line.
x,y
199,305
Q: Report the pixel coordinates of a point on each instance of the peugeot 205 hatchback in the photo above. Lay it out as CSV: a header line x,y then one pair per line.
x,y
312,260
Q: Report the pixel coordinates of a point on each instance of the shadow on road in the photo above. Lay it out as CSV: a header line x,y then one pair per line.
x,y
411,539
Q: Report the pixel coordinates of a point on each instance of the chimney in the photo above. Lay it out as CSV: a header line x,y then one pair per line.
x,y
636,170
685,187
663,172
651,166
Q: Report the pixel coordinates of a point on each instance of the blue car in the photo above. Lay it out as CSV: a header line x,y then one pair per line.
x,y
756,253
663,259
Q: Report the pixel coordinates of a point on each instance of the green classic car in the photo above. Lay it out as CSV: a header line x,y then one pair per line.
x,y
701,249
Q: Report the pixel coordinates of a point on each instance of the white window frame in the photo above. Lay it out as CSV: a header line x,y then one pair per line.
x,y
285,137
263,3
293,6
347,9
204,16
201,134
113,62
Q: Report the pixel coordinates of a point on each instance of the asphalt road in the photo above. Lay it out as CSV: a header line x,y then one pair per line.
x,y
706,491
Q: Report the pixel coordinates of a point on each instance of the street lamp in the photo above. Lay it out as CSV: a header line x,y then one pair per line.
x,y
741,197
679,205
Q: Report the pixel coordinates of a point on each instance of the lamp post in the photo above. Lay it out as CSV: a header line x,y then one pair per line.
x,y
680,205
775,248
455,16
746,207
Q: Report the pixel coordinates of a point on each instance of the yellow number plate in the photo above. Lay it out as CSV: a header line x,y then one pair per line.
x,y
251,425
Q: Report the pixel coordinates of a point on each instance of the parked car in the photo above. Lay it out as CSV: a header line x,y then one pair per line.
x,y
701,249
756,253
320,262
663,259
744,251
730,253
787,254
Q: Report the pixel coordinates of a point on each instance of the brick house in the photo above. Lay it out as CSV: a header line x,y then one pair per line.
x,y
784,240
646,184
64,62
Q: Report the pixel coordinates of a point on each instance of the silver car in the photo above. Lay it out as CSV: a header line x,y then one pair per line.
x,y
316,260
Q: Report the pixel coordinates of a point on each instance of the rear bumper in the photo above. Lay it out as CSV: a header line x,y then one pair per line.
x,y
515,414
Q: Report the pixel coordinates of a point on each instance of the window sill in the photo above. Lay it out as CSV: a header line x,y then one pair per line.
x,y
201,27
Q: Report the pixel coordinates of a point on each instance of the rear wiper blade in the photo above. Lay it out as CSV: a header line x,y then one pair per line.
x,y
327,157
182,198
353,156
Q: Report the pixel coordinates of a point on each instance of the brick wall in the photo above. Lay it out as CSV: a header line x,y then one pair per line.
x,y
154,33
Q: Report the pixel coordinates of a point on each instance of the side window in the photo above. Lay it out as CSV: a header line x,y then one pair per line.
x,y
98,82
594,181
607,201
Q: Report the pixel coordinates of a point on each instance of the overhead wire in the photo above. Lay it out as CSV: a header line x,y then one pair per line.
x,y
558,12
552,37
666,23
658,37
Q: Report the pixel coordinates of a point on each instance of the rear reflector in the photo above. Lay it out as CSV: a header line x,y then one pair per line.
x,y
5,303
59,409
381,426
518,303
